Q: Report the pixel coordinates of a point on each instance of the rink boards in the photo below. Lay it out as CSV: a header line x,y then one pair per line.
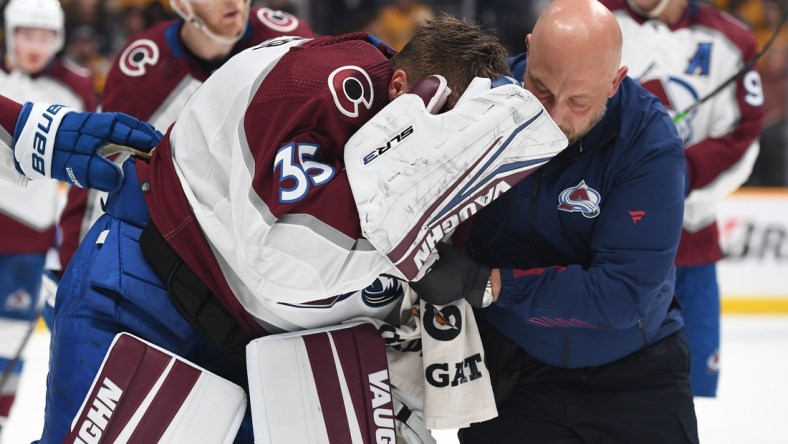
x,y
753,276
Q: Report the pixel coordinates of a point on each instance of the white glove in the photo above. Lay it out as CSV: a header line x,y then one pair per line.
x,y
415,176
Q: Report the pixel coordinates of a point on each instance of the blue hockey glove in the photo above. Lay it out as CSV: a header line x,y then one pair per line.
x,y
54,141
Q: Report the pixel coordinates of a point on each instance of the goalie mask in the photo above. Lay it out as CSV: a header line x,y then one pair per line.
x,y
186,10
27,29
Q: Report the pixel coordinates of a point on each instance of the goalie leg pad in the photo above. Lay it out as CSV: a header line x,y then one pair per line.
x,y
321,386
145,394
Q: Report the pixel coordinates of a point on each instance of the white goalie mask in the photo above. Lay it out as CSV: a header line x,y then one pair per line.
x,y
38,14
187,14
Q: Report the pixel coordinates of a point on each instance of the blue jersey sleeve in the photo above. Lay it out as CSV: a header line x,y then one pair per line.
x,y
632,248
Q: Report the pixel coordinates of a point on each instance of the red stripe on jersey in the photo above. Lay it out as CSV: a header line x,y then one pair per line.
x,y
518,273
18,238
9,112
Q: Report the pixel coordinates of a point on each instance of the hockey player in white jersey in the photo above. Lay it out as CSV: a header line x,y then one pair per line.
x,y
169,62
34,33
683,51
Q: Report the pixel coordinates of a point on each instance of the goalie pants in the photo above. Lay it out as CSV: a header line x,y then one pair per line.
x,y
642,398
106,289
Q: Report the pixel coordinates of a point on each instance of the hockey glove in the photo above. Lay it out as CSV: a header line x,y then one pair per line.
x,y
453,276
416,175
55,141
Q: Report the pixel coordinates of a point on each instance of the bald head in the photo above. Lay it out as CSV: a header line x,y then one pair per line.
x,y
573,64
580,31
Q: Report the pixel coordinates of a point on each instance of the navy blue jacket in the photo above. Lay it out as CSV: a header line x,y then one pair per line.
x,y
586,244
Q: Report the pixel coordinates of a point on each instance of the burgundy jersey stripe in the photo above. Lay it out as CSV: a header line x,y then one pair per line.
x,y
518,273
327,382
5,405
177,386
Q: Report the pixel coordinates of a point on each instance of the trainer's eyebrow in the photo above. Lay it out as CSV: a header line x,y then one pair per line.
x,y
538,82
541,86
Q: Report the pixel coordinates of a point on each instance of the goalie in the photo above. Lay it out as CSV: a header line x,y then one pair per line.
x,y
243,223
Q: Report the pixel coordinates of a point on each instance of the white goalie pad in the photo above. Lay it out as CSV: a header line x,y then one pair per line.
x,y
144,394
416,176
321,386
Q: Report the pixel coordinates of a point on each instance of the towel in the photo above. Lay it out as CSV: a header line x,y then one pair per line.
x,y
436,360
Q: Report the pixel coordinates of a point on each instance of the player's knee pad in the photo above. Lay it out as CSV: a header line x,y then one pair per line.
x,y
321,386
145,394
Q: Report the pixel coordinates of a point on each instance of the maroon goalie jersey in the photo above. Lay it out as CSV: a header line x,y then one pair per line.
x,y
151,79
249,186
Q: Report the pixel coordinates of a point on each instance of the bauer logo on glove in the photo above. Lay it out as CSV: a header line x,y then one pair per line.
x,y
53,141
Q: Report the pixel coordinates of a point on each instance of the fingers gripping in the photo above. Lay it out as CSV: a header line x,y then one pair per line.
x,y
88,131
134,133
80,137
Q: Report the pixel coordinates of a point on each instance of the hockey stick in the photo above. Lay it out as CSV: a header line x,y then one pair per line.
x,y
112,148
680,116
9,368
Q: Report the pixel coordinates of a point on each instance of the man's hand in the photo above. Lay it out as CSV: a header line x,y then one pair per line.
x,y
54,141
452,277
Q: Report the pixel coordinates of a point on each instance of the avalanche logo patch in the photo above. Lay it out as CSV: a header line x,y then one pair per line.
x,y
382,292
18,301
139,54
277,20
675,93
581,199
351,88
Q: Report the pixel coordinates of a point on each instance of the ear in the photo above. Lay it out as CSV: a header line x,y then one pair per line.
x,y
398,84
527,41
622,72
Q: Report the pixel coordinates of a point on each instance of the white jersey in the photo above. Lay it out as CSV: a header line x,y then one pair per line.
x,y
151,79
36,206
266,249
682,64
8,172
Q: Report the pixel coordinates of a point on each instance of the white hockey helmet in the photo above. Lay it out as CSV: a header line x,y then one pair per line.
x,y
188,15
41,14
